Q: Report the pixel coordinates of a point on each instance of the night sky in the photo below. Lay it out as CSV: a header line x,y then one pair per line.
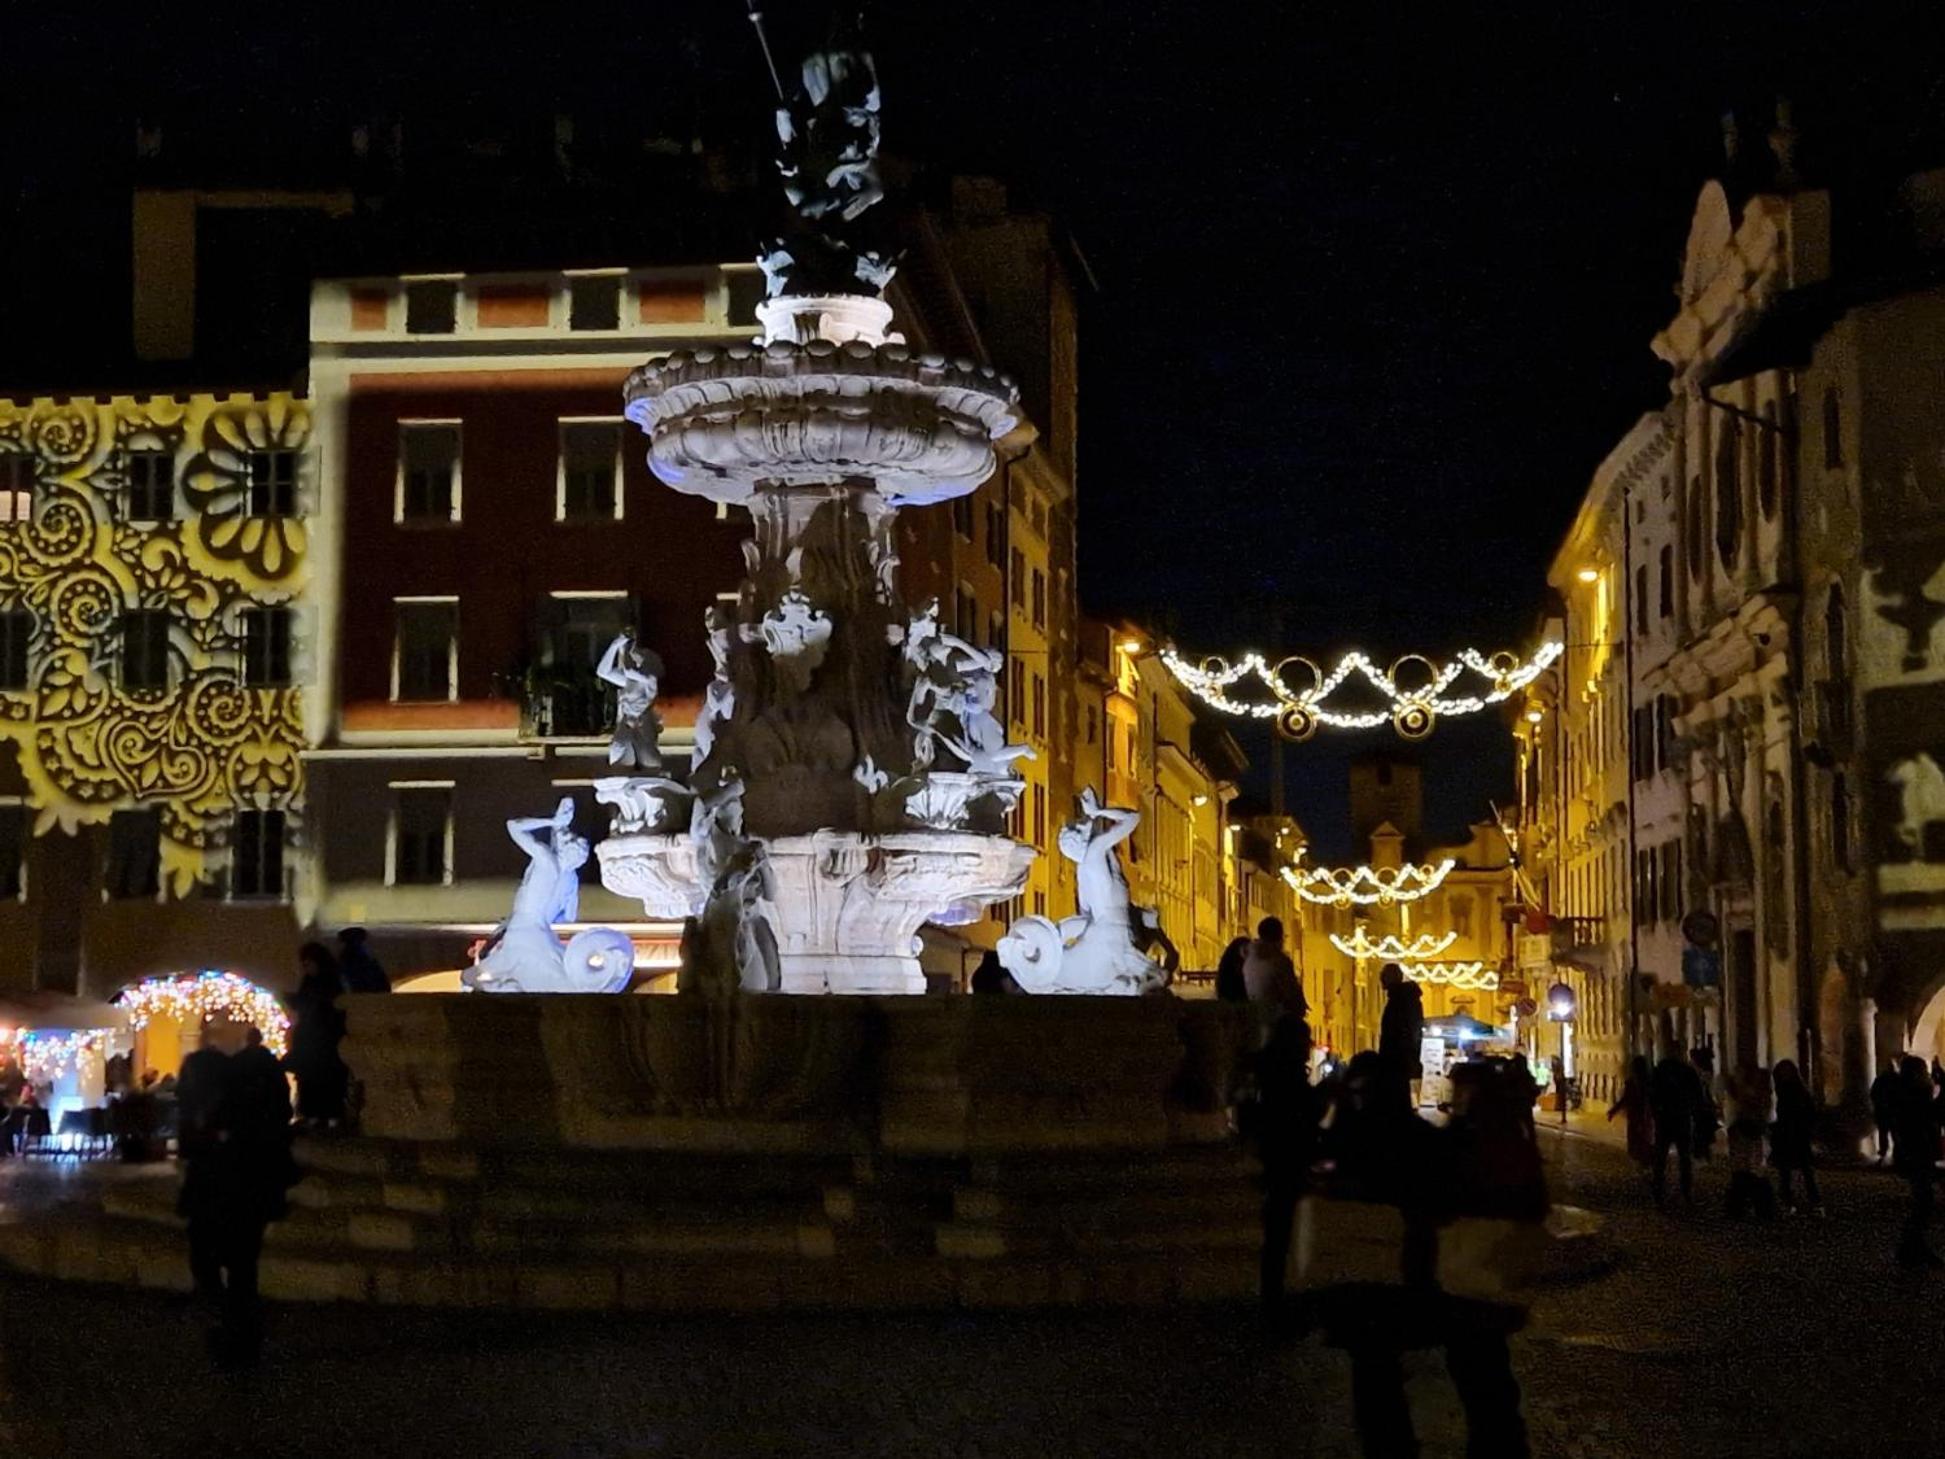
x,y
1375,285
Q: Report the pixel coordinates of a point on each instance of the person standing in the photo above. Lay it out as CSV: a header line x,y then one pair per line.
x,y
316,1031
1884,1107
1401,1029
1286,1122
1230,987
357,966
1790,1140
1270,978
1914,1137
1708,1114
1749,1111
1676,1094
1524,1087
1643,1124
234,1135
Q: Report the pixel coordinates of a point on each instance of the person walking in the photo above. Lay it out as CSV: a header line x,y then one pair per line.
x,y
1230,987
1708,1114
1749,1111
1401,1030
1286,1123
1524,1087
1678,1098
233,1118
1790,1139
1641,1122
316,1031
1884,1107
1914,1146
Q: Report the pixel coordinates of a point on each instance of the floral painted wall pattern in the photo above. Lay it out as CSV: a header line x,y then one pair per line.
x,y
208,744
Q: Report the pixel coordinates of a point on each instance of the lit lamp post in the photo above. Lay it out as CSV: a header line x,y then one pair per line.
x,y
1560,1010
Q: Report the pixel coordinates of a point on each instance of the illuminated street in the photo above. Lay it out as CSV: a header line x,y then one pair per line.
x,y
1707,1339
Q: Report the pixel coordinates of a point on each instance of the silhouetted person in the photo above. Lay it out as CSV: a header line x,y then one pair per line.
x,y
1524,1086
1286,1122
1914,1133
1749,1111
234,1135
317,1028
1884,1107
358,968
991,977
1676,1098
1790,1138
1401,1029
1270,978
1230,987
1642,1123
1708,1114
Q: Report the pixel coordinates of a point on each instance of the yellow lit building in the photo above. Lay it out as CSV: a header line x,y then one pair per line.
x,y
154,636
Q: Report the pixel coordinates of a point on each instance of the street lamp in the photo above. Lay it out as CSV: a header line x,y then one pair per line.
x,y
1560,1010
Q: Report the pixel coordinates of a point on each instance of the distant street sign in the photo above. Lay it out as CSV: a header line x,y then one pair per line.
x,y
1701,967
1701,929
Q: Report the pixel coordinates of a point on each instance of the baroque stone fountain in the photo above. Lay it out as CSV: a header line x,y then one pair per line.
x,y
851,780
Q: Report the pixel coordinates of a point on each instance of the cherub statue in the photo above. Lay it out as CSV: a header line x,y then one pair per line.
x,y
719,699
952,679
636,673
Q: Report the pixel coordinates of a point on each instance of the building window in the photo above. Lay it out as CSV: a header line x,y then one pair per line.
x,y
1666,604
594,302
1766,483
425,662
151,486
996,630
1016,678
431,306
962,517
421,835
16,637
1039,599
1728,493
1039,706
590,483
1698,551
996,534
1833,428
266,647
1093,724
145,649
16,487
1840,832
257,857
578,631
1018,575
134,855
1641,599
1039,815
428,471
13,852
965,618
273,483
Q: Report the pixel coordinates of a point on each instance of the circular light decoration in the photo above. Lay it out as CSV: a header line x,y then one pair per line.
x,y
1464,976
1422,948
189,998
1343,886
1417,689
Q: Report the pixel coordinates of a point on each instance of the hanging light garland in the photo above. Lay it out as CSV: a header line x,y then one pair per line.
x,y
1466,977
44,1055
1341,886
1414,709
1422,948
189,998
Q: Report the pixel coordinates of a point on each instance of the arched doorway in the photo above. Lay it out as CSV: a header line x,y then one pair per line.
x,y
167,1015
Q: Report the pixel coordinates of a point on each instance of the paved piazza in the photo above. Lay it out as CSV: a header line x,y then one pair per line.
x,y
1708,1339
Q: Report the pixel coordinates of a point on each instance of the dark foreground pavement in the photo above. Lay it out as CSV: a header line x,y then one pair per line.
x,y
1708,1339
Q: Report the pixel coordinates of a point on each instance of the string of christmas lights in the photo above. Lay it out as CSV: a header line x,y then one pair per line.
x,y
1341,886
44,1055
1467,977
1412,711
1422,948
189,998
